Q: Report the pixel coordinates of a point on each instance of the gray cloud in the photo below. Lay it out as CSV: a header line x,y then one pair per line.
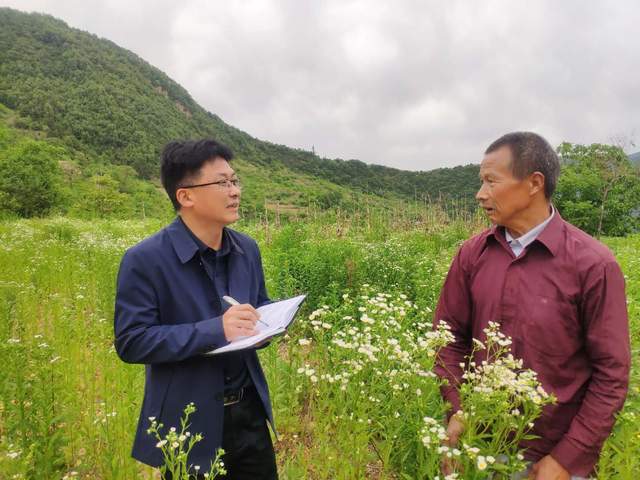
x,y
417,85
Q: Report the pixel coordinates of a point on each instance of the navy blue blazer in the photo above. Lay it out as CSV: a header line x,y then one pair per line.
x,y
166,317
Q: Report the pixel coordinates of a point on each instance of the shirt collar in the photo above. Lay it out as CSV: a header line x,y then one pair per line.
x,y
551,235
186,244
532,234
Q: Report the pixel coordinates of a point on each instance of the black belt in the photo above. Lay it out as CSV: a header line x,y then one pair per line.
x,y
231,398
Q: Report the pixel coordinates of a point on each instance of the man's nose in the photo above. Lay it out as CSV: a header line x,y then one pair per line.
x,y
482,193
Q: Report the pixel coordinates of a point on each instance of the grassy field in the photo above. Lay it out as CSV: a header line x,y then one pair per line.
x,y
68,405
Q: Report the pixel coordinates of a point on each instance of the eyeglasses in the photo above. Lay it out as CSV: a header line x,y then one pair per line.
x,y
220,184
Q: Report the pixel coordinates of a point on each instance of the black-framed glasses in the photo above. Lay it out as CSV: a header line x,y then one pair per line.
x,y
220,184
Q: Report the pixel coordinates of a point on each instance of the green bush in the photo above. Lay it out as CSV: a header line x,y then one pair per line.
x,y
30,178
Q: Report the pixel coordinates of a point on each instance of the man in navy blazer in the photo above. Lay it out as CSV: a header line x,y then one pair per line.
x,y
169,312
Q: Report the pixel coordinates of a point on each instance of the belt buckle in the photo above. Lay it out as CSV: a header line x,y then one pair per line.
x,y
234,397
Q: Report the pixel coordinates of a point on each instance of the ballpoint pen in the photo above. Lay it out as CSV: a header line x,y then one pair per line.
x,y
233,301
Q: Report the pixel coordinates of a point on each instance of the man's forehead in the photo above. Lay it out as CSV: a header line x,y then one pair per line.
x,y
218,166
498,160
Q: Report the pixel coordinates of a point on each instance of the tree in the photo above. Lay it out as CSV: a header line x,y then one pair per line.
x,y
598,190
30,177
99,196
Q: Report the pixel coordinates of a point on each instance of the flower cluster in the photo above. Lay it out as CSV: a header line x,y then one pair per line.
x,y
176,445
500,401
379,336
371,355
433,433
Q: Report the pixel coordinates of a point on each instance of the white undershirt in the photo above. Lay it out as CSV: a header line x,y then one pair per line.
x,y
519,244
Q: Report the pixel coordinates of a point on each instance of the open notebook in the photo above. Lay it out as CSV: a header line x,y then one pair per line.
x,y
278,316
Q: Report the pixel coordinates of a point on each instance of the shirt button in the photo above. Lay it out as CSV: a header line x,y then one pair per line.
x,y
227,379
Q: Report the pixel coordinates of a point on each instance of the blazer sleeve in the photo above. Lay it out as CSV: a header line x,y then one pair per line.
x,y
140,337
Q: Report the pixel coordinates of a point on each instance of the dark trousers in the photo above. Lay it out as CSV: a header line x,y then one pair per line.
x,y
246,441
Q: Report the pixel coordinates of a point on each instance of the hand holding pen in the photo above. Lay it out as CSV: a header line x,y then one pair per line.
x,y
239,320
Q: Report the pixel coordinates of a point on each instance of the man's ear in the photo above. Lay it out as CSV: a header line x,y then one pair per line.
x,y
536,183
184,197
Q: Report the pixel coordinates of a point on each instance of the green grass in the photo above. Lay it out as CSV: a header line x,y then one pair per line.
x,y
68,404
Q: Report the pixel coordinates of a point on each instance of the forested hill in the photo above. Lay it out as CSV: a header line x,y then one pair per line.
x,y
115,108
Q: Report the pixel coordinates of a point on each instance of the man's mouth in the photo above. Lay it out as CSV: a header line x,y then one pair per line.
x,y
233,205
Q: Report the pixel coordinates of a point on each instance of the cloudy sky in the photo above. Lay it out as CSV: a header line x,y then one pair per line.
x,y
410,84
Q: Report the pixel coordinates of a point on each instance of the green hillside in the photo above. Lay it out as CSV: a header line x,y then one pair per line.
x,y
112,112
80,186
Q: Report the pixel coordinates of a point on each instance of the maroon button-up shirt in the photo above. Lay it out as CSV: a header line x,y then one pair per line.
x,y
563,303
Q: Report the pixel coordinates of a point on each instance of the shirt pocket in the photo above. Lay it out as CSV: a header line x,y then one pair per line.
x,y
550,325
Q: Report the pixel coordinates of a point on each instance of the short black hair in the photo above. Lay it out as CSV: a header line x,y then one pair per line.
x,y
183,159
531,153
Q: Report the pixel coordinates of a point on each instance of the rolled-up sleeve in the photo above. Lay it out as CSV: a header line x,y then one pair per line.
x,y
607,345
140,337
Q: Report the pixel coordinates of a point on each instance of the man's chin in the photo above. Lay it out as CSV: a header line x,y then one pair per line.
x,y
492,218
226,219
232,218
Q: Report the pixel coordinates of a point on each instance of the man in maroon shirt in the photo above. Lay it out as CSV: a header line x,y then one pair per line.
x,y
559,294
